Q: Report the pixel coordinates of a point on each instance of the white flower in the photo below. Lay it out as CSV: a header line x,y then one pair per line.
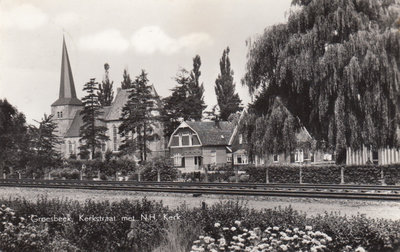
x,y
275,228
308,227
360,249
238,223
233,228
207,239
284,247
217,225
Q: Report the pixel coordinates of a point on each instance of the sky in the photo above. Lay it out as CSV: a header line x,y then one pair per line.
x,y
160,36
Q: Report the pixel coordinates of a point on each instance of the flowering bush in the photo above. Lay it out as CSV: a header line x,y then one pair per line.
x,y
16,234
238,238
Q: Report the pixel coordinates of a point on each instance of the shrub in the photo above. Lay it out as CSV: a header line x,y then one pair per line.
x,y
162,165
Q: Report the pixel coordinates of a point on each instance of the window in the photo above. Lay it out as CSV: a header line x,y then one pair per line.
x,y
375,157
241,159
185,140
61,114
103,147
276,158
70,146
195,140
240,138
58,114
299,156
177,160
175,141
229,158
197,160
115,138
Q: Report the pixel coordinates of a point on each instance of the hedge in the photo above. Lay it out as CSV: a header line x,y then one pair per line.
x,y
330,174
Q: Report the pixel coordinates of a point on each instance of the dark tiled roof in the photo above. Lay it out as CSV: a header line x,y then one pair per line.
x,y
67,101
211,134
76,124
73,130
115,110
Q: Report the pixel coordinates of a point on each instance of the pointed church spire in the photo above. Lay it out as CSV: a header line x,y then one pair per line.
x,y
67,94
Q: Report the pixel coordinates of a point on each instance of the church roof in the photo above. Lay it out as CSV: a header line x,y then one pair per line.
x,y
67,95
73,130
113,113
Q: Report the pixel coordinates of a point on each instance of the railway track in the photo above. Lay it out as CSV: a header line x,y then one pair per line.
x,y
363,192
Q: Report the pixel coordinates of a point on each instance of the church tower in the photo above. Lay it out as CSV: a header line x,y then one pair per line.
x,y
67,104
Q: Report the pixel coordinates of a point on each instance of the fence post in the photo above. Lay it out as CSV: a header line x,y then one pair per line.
x,y
4,175
139,176
301,175
158,175
267,176
19,175
382,177
341,175
236,174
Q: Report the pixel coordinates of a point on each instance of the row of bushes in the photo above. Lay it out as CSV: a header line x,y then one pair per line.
x,y
142,235
325,174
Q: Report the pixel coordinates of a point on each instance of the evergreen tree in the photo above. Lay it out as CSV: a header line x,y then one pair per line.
x,y
335,65
186,101
106,93
139,118
43,146
228,101
126,82
92,134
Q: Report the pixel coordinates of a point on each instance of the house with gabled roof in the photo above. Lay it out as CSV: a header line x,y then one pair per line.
x,y
195,145
66,114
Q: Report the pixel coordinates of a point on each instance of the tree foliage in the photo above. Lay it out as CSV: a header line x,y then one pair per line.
x,y
139,118
106,93
13,138
92,133
228,100
43,144
335,65
126,82
187,99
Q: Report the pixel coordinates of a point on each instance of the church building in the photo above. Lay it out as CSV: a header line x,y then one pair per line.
x,y
66,113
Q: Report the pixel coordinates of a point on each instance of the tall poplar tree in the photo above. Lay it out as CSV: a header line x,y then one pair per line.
x,y
139,118
196,91
228,100
335,65
92,133
106,93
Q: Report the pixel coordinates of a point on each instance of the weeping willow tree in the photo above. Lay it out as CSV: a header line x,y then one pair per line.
x,y
335,65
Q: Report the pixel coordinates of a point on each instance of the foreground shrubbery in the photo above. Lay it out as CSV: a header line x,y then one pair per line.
x,y
20,233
